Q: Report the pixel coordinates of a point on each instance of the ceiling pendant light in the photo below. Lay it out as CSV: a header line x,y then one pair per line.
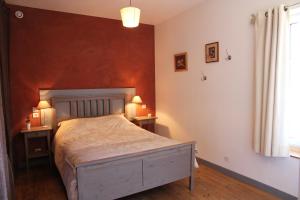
x,y
130,16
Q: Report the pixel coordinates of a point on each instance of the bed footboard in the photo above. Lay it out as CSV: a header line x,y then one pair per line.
x,y
135,173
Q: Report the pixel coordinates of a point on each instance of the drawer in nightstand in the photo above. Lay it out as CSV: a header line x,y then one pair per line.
x,y
37,143
37,146
37,134
38,155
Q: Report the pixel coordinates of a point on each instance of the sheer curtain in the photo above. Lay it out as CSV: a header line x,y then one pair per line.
x,y
293,102
272,31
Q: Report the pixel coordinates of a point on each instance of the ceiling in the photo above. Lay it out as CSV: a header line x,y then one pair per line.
x,y
153,11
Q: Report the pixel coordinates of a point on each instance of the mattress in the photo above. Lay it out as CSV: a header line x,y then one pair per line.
x,y
85,140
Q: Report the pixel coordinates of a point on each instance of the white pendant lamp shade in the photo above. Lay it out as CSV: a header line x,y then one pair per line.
x,y
130,16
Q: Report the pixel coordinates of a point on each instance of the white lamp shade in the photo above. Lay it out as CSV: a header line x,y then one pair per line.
x,y
43,105
137,100
130,16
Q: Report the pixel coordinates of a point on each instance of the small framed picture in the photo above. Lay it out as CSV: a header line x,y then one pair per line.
x,y
181,62
212,52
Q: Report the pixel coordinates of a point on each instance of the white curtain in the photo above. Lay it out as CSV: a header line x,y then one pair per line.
x,y
271,66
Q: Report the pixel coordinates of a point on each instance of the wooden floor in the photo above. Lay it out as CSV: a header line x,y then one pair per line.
x,y
42,183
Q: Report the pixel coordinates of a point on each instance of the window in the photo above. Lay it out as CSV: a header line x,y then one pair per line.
x,y
293,87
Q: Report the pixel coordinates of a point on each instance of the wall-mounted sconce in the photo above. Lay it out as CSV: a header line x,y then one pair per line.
x,y
228,57
203,77
252,19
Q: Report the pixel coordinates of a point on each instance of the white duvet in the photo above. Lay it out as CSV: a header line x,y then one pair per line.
x,y
79,141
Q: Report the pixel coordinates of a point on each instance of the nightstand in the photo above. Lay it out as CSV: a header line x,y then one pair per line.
x,y
37,132
145,121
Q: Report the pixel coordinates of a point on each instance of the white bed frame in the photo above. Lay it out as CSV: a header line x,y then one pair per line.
x,y
121,176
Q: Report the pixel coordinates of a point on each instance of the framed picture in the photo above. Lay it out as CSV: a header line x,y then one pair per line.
x,y
180,62
212,52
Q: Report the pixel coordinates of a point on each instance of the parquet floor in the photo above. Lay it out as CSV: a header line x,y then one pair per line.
x,y
43,183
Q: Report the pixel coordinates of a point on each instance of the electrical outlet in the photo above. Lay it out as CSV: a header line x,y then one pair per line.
x,y
35,115
196,150
144,106
35,110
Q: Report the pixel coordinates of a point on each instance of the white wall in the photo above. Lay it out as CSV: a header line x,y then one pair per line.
x,y
217,113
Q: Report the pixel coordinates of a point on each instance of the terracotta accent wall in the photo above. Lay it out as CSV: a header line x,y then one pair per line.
x,y
55,50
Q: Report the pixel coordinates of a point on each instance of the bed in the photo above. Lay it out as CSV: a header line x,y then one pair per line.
x,y
101,155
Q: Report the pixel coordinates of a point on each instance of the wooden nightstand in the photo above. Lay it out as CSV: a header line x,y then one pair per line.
x,y
37,132
145,120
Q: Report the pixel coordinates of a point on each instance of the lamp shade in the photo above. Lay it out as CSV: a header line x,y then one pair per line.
x,y
130,16
43,104
137,100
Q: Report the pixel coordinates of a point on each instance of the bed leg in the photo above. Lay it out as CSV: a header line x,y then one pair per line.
x,y
191,183
191,178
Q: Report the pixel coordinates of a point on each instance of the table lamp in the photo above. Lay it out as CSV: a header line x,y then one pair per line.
x,y
43,104
137,100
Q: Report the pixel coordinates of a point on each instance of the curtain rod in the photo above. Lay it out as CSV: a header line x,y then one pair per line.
x,y
292,5
285,8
